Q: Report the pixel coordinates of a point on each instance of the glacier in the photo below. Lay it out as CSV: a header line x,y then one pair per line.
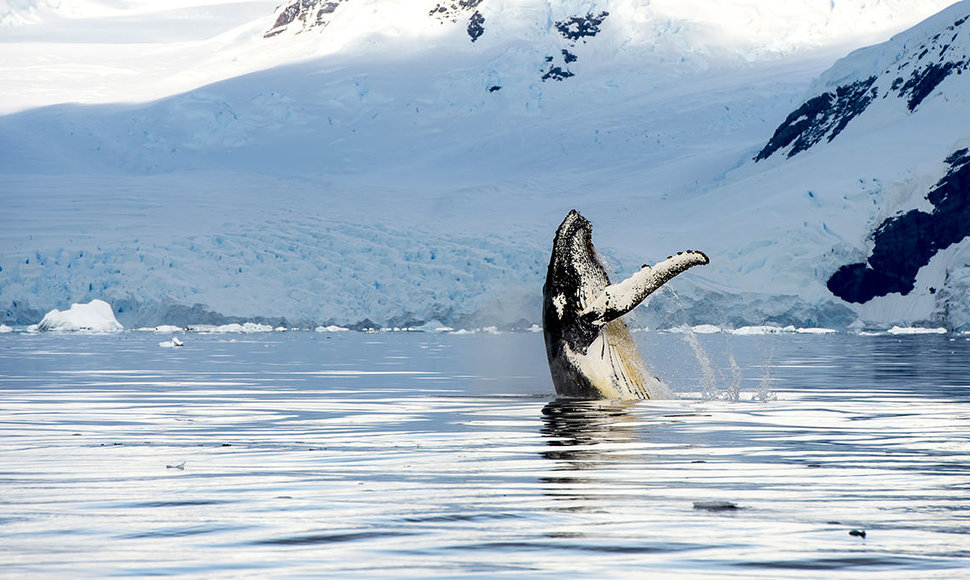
x,y
391,169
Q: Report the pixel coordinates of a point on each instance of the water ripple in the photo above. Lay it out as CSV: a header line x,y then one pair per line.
x,y
341,458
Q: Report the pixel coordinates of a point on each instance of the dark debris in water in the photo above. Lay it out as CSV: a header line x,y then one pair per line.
x,y
331,538
715,506
857,533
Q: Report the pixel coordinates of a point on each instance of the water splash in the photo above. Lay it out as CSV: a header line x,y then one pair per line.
x,y
710,376
764,392
736,377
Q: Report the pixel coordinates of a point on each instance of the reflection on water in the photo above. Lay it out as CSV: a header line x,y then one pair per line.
x,y
422,455
597,450
575,428
583,435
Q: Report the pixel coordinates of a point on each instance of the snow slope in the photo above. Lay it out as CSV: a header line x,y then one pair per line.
x,y
400,165
879,152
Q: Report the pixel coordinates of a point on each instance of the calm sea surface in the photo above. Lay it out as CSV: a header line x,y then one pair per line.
x,y
299,454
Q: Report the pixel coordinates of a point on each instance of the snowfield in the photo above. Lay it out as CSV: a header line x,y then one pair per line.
x,y
389,170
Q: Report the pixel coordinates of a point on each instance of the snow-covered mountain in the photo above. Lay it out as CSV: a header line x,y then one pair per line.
x,y
406,161
890,117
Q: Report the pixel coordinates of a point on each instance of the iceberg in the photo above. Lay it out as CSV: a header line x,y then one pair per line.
x,y
95,316
331,328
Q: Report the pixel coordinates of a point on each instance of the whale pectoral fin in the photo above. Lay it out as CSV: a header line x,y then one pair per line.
x,y
622,297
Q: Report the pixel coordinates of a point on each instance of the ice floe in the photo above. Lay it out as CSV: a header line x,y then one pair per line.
x,y
915,330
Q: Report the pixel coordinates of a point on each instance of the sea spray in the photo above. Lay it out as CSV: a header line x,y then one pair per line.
x,y
709,374
736,377
764,392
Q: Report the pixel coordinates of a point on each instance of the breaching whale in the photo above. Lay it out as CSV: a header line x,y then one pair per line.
x,y
591,353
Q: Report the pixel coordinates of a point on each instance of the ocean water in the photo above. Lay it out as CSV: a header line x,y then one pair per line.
x,y
299,454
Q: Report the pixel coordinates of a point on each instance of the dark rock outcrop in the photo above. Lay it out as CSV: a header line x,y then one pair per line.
x,y
476,26
903,244
303,14
454,11
579,27
573,29
922,68
824,116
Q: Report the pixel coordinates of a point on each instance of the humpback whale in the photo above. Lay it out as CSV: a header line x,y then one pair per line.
x,y
590,350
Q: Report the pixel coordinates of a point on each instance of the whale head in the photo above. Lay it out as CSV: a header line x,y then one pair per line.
x,y
575,275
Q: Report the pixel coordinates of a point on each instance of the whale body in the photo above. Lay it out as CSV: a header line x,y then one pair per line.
x,y
590,350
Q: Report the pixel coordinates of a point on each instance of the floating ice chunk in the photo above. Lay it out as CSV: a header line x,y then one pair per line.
x,y
534,328
429,326
234,328
175,342
705,329
331,328
759,330
5,329
163,329
95,316
915,330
